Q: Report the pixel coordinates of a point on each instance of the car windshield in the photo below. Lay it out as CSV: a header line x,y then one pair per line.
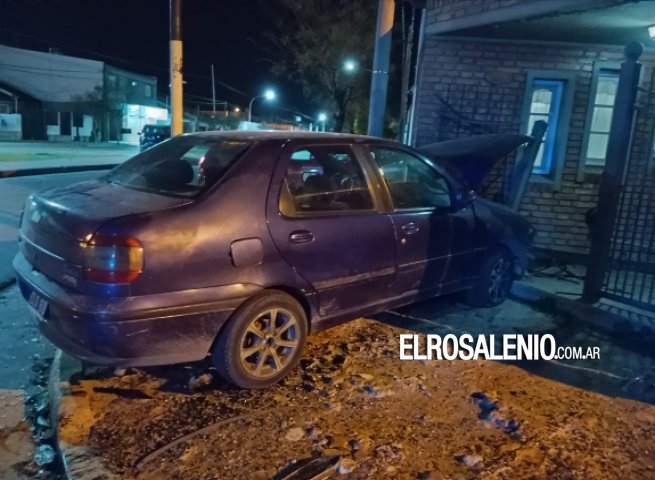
x,y
183,166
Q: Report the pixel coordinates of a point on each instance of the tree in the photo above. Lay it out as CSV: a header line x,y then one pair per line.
x,y
311,41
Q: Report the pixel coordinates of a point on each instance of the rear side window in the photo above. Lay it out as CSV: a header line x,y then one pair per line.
x,y
324,179
412,183
183,166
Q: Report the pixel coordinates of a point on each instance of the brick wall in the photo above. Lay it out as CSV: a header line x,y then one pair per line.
x,y
557,213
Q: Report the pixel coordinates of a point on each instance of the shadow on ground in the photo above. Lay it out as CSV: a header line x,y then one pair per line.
x,y
626,367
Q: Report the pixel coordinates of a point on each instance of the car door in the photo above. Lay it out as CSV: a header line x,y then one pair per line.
x,y
434,238
326,223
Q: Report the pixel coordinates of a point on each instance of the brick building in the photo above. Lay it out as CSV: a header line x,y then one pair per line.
x,y
499,65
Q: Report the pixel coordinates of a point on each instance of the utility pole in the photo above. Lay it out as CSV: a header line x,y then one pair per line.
x,y
177,106
213,92
380,77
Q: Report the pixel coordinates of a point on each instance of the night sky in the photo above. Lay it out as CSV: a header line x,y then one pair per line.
x,y
134,34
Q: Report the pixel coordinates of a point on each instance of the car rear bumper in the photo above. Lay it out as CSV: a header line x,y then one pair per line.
x,y
130,331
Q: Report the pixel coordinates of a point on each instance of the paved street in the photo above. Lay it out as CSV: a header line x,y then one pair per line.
x,y
31,155
25,355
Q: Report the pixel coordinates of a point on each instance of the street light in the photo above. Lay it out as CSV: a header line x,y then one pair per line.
x,y
268,95
322,118
350,66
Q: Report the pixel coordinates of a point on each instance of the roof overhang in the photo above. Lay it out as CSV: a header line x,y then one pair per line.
x,y
577,22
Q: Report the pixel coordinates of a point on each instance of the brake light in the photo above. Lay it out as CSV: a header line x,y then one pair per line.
x,y
112,259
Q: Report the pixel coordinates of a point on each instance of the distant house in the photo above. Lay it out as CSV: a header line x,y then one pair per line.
x,y
68,98
500,65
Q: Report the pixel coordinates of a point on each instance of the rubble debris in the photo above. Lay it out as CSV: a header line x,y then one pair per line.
x,y
346,465
471,461
295,434
489,411
44,455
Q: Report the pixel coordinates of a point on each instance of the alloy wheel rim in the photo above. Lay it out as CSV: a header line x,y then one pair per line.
x,y
269,343
500,280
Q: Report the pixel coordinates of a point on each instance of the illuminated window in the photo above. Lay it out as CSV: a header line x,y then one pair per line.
x,y
549,98
545,104
148,91
598,126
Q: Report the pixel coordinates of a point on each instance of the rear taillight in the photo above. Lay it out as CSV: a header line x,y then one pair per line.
x,y
112,259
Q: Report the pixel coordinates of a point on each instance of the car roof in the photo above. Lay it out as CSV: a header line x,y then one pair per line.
x,y
285,135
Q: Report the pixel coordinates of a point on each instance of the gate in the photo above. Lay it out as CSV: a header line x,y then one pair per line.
x,y
630,274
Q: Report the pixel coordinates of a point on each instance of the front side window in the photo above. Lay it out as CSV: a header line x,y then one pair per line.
x,y
183,166
324,179
601,117
545,104
412,183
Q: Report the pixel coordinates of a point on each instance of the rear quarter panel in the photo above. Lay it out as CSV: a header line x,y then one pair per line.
x,y
189,247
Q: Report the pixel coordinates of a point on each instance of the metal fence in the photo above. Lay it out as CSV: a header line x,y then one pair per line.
x,y
630,278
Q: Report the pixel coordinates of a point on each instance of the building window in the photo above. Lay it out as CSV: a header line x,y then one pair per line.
x,y
149,91
111,82
598,125
549,98
545,104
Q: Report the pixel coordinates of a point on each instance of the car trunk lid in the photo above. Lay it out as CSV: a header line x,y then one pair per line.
x,y
55,222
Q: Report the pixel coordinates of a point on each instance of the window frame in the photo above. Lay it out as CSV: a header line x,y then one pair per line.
x,y
583,167
355,153
452,185
560,138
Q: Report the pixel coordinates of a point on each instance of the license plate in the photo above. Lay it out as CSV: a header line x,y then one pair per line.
x,y
38,305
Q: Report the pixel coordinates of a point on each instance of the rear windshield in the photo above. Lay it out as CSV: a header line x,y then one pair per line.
x,y
183,166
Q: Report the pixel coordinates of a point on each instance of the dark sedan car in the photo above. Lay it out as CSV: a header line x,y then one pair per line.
x,y
152,135
238,244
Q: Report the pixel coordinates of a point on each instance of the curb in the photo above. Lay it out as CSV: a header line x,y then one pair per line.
x,y
48,170
583,312
78,462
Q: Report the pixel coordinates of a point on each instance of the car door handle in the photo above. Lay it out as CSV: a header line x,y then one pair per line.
x,y
409,228
301,236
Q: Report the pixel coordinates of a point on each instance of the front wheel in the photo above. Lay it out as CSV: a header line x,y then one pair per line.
x,y
262,341
494,281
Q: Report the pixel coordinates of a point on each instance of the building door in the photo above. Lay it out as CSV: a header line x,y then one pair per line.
x,y
65,120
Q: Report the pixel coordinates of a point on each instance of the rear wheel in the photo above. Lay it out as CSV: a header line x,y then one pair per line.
x,y
262,341
494,281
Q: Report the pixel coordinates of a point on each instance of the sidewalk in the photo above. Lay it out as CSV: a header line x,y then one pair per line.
x,y
40,158
560,288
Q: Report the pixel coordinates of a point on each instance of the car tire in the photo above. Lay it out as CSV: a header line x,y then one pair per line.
x,y
262,341
494,280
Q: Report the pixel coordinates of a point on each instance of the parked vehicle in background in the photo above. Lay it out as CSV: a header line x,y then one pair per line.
x,y
152,135
239,244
